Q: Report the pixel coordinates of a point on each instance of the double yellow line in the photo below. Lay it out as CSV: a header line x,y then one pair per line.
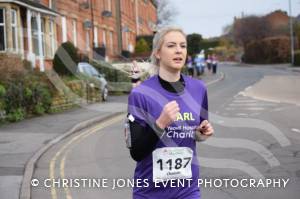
x,y
66,148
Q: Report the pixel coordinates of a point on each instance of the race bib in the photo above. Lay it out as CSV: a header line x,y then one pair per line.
x,y
172,163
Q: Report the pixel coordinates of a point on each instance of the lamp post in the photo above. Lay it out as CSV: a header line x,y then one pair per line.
x,y
291,33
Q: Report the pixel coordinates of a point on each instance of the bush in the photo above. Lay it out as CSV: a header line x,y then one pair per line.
x,y
66,59
37,93
2,94
16,115
147,38
2,91
29,95
142,46
297,58
268,50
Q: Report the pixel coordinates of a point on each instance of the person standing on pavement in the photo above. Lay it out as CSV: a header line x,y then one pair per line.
x,y
197,61
189,64
167,115
214,63
209,63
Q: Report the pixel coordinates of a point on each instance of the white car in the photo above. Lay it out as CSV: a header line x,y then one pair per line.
x,y
87,69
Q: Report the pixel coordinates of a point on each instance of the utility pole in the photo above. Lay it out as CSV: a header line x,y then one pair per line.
x,y
93,31
291,33
119,26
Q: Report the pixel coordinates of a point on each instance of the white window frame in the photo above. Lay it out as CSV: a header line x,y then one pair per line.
x,y
126,40
74,32
4,28
104,38
50,4
14,30
96,36
64,29
51,37
87,40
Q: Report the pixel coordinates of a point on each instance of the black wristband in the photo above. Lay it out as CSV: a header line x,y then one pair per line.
x,y
159,131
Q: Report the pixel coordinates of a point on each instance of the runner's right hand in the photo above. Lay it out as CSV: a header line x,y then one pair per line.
x,y
168,114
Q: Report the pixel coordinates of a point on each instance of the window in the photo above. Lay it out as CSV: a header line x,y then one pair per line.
x,y
14,30
87,40
126,39
64,29
111,42
50,4
2,30
51,37
43,36
108,5
34,33
104,38
96,37
35,36
74,24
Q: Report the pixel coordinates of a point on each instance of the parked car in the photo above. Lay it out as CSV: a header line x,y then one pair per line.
x,y
101,83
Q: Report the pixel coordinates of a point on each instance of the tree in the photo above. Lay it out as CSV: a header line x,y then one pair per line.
x,y
227,30
142,46
251,28
194,43
166,13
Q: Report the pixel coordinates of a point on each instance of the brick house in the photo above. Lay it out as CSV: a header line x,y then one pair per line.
x,y
34,29
138,18
278,19
26,28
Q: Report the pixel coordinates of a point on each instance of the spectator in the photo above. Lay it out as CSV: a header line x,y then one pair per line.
x,y
209,63
190,66
214,64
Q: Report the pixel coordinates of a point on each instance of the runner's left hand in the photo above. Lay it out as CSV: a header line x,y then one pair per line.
x,y
204,130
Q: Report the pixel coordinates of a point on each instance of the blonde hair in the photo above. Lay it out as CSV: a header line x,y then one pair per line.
x,y
157,43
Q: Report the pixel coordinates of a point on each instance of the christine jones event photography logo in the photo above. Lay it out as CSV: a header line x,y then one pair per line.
x,y
174,183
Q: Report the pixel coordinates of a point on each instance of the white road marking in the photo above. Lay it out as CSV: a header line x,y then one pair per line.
x,y
251,104
249,87
230,109
244,101
295,130
255,109
242,114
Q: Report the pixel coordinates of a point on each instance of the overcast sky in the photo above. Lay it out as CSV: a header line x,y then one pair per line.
x,y
208,17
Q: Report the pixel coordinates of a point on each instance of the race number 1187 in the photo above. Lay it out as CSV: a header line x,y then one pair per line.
x,y
176,164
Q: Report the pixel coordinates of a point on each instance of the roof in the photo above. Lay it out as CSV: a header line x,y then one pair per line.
x,y
32,5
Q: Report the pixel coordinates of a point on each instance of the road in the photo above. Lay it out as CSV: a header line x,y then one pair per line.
x,y
254,138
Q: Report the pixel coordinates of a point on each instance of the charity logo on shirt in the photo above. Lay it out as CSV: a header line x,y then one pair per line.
x,y
185,116
183,128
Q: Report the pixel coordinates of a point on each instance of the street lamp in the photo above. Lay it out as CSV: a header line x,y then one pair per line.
x,y
291,33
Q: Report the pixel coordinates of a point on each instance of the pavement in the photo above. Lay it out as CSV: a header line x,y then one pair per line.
x,y
274,88
23,143
286,67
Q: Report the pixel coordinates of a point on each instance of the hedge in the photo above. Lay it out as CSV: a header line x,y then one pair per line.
x,y
268,50
297,58
66,59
